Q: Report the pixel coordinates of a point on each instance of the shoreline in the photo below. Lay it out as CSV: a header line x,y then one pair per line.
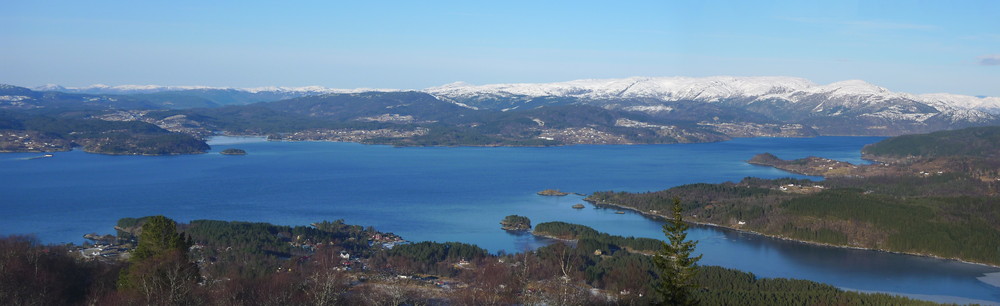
x,y
519,146
552,237
81,149
397,145
661,217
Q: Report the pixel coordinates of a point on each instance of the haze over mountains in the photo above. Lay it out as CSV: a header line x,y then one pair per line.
x,y
601,111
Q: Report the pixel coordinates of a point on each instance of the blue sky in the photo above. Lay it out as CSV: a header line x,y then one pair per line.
x,y
911,46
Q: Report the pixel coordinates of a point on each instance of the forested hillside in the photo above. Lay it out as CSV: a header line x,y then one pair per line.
x,y
980,142
39,133
332,263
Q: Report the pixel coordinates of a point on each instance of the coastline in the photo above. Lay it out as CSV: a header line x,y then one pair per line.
x,y
265,138
81,149
662,217
574,241
36,151
492,145
142,154
552,237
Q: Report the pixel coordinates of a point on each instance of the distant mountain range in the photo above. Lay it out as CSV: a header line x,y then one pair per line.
x,y
204,96
648,89
630,110
140,89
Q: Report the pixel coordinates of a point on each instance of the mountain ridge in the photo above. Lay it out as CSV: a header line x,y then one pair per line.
x,y
649,89
602,111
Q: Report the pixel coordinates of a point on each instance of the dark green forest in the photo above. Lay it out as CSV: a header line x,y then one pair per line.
x,y
970,142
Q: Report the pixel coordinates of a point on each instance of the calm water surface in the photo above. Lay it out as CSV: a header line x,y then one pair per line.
x,y
450,194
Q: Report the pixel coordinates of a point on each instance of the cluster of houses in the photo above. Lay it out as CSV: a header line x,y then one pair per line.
x,y
110,248
796,188
109,252
586,135
349,135
24,141
929,173
386,240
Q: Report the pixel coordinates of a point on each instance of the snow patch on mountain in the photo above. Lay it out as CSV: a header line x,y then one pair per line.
x,y
50,87
14,98
945,101
848,88
649,108
708,89
648,93
895,114
313,89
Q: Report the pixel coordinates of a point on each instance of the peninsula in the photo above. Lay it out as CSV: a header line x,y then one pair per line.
x,y
923,199
812,166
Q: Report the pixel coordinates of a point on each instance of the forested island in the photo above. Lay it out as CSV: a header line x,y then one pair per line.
x,y
232,151
552,193
515,223
933,196
154,260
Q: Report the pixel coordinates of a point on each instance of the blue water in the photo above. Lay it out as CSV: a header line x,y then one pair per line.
x,y
449,194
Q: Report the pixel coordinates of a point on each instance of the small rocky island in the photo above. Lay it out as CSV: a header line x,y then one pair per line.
x,y
578,206
232,151
515,223
552,192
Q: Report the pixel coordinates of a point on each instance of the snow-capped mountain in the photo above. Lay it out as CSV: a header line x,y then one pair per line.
x,y
951,101
635,91
777,96
851,107
847,107
709,89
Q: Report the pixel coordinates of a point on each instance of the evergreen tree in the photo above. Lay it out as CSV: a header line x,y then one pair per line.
x,y
674,263
159,236
160,272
